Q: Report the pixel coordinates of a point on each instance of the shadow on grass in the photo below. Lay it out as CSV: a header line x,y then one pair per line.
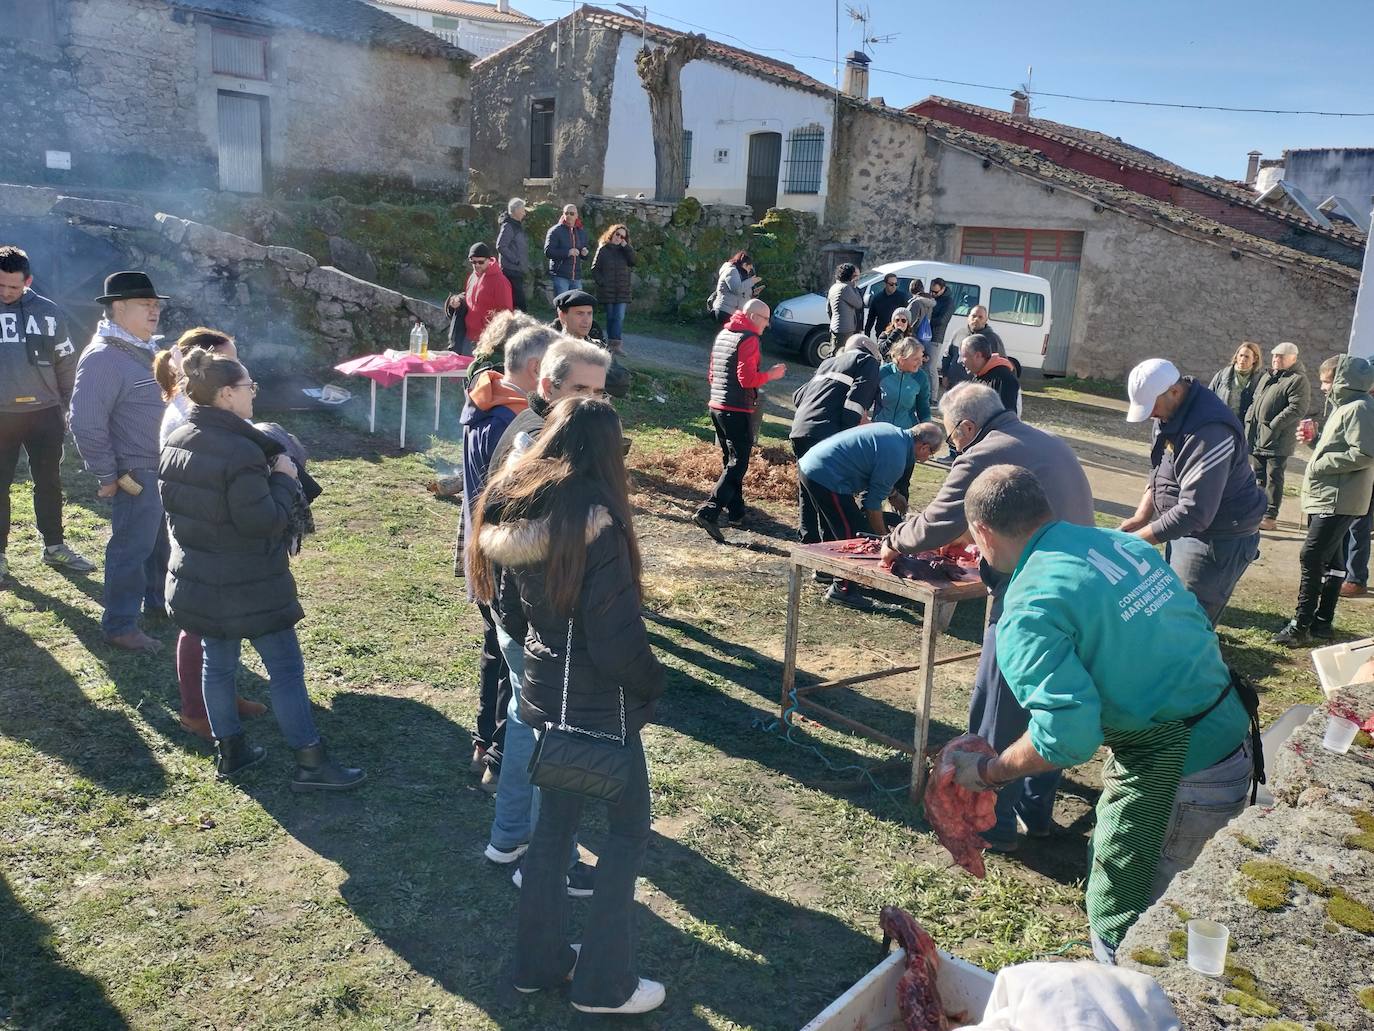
x,y
45,706
37,989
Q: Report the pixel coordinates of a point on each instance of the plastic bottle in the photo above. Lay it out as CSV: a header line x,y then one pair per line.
x,y
419,339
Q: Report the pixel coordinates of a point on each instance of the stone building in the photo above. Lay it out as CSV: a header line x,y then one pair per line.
x,y
563,114
241,95
480,29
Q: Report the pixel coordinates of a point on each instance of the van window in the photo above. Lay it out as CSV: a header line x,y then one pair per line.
x,y
1016,306
964,297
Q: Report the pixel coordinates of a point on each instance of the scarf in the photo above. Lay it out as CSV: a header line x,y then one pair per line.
x,y
114,331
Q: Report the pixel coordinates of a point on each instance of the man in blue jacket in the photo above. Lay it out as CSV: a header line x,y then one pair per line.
x,y
565,245
1202,502
1101,645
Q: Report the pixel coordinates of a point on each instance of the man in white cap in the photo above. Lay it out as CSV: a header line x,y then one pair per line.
x,y
1201,502
1281,399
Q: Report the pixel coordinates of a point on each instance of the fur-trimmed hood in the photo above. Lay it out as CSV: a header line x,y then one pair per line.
x,y
525,542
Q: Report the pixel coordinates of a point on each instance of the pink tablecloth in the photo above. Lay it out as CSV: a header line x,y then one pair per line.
x,y
390,371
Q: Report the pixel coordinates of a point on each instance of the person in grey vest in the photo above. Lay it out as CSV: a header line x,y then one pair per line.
x,y
513,249
735,379
116,417
845,306
37,366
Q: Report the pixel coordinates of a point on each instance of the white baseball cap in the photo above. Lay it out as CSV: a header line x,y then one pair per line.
x,y
1147,381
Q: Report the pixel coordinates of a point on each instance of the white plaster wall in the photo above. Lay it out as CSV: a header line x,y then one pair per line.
x,y
721,107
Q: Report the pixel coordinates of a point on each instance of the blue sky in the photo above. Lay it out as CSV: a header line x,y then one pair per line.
x,y
1317,55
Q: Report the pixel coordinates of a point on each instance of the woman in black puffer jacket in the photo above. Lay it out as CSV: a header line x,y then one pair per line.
x,y
231,496
557,532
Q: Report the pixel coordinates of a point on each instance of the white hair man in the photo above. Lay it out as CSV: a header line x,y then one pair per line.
x,y
513,249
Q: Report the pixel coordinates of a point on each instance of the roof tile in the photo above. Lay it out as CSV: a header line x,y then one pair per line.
x,y
466,9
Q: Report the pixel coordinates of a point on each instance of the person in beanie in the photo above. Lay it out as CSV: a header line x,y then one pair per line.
x,y
513,249
1201,501
487,291
116,416
1335,492
37,367
1280,403
735,380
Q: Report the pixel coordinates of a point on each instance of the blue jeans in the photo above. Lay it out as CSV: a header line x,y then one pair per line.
x,y
996,717
1205,803
615,319
1211,569
281,654
135,558
606,973
562,285
1357,546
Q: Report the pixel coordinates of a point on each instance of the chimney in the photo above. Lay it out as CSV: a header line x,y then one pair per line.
x,y
503,6
1252,167
1020,105
856,75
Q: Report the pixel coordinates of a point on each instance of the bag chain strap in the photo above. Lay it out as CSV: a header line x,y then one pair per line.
x,y
563,712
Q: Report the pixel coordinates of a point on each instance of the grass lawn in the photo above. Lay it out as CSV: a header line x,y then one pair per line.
x,y
136,891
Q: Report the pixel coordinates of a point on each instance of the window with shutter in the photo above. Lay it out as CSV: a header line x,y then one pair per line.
x,y
238,54
541,139
805,159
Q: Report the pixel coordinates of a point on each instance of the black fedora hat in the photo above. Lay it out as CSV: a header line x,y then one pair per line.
x,y
129,286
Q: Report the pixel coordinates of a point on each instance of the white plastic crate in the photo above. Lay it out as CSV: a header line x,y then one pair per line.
x,y
871,1004
1336,664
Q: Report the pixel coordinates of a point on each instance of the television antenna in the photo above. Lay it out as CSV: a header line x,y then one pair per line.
x,y
864,17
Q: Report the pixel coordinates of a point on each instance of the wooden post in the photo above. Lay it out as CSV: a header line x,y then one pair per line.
x,y
928,636
789,648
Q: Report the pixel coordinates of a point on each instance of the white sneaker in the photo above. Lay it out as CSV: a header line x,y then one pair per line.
x,y
648,996
505,855
576,949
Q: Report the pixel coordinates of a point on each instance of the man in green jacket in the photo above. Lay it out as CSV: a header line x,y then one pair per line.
x,y
1335,492
1102,644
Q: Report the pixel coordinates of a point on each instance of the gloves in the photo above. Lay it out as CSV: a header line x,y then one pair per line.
x,y
968,770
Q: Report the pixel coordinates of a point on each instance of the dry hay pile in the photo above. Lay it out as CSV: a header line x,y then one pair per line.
x,y
772,474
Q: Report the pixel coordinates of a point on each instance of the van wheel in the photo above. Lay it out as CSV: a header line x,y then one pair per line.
x,y
817,347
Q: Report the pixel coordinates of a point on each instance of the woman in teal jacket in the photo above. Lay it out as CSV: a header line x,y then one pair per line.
x,y
903,386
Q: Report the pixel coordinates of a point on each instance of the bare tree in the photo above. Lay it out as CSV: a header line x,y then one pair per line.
x,y
660,70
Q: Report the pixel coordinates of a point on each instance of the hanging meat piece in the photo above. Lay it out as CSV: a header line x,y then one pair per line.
x,y
956,814
918,994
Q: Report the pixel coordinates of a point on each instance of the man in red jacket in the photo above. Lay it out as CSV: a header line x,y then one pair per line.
x,y
735,380
487,292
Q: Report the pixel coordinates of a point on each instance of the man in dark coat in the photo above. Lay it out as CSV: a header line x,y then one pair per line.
x,y
513,249
884,304
577,318
1280,403
940,314
565,245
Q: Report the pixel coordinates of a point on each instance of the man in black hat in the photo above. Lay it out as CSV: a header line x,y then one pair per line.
x,y
577,318
116,412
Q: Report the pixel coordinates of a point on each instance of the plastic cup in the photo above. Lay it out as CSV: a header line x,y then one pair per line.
x,y
1340,733
1207,941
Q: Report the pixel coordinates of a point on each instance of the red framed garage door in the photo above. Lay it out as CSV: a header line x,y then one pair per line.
x,y
1052,253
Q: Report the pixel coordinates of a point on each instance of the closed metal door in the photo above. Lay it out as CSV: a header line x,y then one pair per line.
x,y
240,143
761,183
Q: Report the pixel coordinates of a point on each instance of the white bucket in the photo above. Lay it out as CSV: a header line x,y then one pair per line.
x,y
871,1004
1337,663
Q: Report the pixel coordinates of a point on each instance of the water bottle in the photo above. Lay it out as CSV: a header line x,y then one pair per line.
x,y
419,339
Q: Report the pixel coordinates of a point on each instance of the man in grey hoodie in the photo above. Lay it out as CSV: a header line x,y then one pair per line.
x,y
117,410
37,366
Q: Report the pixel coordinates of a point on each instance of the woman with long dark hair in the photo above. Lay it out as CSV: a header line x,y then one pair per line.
x,y
736,285
233,499
556,529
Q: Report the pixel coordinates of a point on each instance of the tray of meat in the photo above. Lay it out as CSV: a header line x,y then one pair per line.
x,y
957,815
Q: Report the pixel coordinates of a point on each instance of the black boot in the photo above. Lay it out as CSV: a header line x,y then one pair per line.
x,y
1293,635
315,771
236,754
1326,608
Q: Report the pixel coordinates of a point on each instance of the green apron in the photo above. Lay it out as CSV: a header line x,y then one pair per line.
x,y
1139,785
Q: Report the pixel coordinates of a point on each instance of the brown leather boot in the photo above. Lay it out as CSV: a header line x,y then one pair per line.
x,y
248,707
135,641
199,727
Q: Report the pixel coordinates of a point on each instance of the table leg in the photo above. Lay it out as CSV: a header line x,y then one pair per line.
x,y
405,391
930,620
372,410
789,648
437,381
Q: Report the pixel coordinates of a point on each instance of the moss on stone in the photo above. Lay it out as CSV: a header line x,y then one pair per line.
x,y
1249,1005
1178,944
687,213
1365,839
1248,842
1366,997
1282,1025
1243,979
1150,958
1364,740
1269,891
1322,1025
1349,913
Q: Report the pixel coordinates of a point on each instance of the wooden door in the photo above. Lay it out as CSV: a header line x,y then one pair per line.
x,y
761,183
241,142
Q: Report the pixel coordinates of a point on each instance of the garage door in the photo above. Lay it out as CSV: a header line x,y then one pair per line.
x,y
1051,253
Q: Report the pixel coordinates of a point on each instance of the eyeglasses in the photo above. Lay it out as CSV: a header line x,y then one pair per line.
x,y
252,387
618,236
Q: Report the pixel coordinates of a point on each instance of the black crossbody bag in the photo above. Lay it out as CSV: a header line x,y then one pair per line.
x,y
590,763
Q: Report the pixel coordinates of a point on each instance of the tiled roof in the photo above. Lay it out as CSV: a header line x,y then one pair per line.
x,y
1115,149
352,20
753,64
1032,163
466,9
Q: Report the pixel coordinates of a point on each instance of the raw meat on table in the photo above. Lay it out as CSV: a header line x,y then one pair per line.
x,y
860,546
918,994
956,814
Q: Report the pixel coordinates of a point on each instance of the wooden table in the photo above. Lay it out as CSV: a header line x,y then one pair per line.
x,y
935,599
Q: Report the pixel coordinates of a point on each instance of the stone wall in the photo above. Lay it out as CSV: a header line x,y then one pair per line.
x,y
126,87
1146,286
288,312
569,61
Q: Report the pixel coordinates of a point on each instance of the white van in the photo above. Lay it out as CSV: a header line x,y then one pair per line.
x,y
1019,308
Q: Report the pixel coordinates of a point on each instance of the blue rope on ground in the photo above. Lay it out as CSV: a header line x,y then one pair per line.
x,y
773,725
